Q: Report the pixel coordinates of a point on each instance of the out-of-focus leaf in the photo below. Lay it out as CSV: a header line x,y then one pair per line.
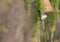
x,y
4,29
9,2
53,29
33,39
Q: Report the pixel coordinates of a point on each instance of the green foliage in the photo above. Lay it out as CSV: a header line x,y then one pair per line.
x,y
38,5
50,19
36,8
55,4
27,4
35,16
52,16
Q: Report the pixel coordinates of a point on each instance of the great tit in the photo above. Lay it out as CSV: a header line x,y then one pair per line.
x,y
42,17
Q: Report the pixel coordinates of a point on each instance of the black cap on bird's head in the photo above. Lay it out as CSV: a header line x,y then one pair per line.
x,y
39,14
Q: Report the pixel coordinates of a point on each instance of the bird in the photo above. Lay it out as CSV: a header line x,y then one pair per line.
x,y
43,16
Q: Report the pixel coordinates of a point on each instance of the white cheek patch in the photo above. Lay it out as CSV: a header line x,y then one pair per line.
x,y
43,17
